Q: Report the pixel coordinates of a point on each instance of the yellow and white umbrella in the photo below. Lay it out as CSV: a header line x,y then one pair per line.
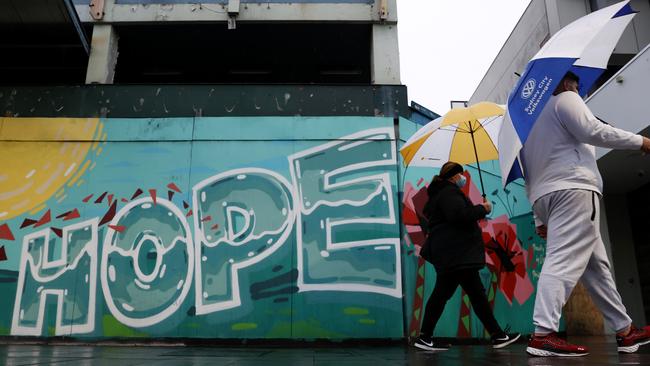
x,y
464,135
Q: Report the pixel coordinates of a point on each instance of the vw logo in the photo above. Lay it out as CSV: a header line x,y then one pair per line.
x,y
528,88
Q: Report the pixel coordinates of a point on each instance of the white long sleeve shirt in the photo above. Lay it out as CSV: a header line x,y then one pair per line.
x,y
560,154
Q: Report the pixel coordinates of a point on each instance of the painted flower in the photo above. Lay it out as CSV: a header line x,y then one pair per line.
x,y
507,259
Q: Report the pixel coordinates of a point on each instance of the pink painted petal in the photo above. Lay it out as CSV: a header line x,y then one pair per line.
x,y
523,289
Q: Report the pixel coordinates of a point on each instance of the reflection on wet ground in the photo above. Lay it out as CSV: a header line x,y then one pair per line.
x,y
603,352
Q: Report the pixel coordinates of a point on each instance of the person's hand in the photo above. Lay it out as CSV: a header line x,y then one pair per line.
x,y
646,145
487,205
541,231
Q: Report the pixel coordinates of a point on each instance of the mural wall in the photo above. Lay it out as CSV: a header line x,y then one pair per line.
x,y
200,227
514,256
278,227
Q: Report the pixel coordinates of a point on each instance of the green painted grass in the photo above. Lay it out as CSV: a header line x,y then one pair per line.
x,y
113,328
192,325
355,311
367,321
243,326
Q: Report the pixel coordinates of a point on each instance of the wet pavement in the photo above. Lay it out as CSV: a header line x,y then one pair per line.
x,y
603,352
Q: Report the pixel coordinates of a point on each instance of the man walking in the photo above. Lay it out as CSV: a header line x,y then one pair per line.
x,y
564,185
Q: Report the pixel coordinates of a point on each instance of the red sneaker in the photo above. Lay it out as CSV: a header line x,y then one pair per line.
x,y
631,342
552,345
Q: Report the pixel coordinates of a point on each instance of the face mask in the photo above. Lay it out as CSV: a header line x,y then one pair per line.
x,y
461,182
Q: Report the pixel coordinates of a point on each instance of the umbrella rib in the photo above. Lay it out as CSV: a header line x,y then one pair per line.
x,y
492,119
457,129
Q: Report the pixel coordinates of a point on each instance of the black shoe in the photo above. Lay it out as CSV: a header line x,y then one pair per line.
x,y
427,343
503,339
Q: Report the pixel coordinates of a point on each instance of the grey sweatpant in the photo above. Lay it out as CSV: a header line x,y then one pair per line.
x,y
574,251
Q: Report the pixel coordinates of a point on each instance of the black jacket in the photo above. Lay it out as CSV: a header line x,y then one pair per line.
x,y
454,240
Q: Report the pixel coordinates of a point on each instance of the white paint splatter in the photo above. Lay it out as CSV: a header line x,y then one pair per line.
x,y
70,168
111,273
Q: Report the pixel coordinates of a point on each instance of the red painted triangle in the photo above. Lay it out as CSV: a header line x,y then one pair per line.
x,y
27,222
174,187
118,228
215,226
101,198
136,193
109,214
88,198
189,214
74,214
409,217
57,231
3,253
207,218
47,217
124,200
5,232
152,193
63,214
110,199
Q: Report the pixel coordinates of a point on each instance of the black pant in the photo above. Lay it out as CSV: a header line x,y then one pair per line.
x,y
446,285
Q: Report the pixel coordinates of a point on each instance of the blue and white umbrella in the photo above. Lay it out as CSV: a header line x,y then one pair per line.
x,y
583,47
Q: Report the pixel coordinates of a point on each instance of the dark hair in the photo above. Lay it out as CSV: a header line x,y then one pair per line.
x,y
448,170
571,76
568,76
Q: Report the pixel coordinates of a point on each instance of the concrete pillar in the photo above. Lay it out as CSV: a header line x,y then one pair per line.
x,y
103,55
385,55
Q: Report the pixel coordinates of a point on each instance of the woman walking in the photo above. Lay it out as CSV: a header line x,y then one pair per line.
x,y
454,246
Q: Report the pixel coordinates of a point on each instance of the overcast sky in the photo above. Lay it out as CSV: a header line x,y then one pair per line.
x,y
446,46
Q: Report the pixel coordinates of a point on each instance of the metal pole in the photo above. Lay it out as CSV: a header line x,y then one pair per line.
x,y
74,18
480,176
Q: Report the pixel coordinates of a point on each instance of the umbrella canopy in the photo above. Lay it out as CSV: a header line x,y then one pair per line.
x,y
464,135
583,47
447,137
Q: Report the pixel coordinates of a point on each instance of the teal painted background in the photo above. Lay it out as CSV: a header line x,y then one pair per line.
x,y
278,227
509,204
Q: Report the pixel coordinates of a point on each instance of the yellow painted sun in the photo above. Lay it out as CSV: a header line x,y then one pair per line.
x,y
38,156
